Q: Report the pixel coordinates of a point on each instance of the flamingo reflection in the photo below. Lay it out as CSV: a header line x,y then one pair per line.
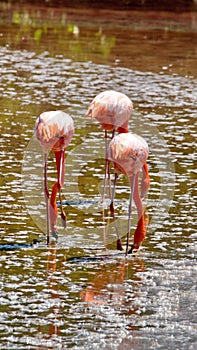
x,y
108,287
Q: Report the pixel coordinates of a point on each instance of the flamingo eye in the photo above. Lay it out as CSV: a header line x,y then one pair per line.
x,y
59,137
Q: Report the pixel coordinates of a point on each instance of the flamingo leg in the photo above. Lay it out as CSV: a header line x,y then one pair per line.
x,y
132,186
113,195
46,192
59,156
119,242
106,166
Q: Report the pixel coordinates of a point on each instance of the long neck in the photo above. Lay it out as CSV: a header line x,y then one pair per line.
x,y
60,162
123,129
145,183
53,206
140,232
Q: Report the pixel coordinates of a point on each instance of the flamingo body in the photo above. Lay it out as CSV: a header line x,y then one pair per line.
x,y
54,130
129,153
112,109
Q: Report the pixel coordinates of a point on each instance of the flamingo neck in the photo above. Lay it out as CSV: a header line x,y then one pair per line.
x,y
140,232
107,126
122,130
60,162
53,206
145,183
145,168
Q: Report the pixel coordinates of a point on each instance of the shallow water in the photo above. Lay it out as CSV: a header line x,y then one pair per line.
x,y
82,294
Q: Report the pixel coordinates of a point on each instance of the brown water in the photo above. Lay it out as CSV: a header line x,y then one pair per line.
x,y
79,294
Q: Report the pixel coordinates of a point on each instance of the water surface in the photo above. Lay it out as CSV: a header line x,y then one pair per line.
x,y
79,294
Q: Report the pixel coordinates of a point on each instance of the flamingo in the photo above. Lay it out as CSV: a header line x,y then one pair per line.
x,y
129,153
54,131
112,109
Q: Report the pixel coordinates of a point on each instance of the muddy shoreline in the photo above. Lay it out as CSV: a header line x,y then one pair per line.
x,y
162,5
132,19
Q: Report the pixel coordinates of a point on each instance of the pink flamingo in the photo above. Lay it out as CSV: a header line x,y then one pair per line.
x,y
54,130
112,109
129,153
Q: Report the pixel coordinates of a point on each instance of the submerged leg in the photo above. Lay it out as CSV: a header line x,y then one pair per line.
x,y
46,192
